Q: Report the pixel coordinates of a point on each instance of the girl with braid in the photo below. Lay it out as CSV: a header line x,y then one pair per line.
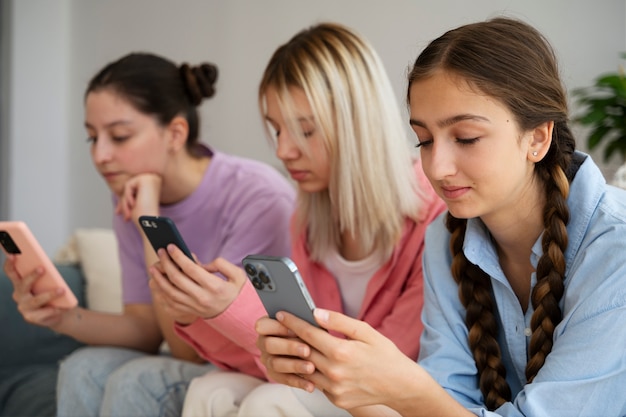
x,y
142,122
524,276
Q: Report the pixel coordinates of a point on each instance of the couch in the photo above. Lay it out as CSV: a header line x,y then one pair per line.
x,y
29,355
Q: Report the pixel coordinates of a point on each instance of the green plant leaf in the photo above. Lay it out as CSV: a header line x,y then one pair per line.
x,y
615,82
603,107
618,145
596,136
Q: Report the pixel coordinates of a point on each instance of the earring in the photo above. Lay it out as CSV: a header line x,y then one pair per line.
x,y
534,153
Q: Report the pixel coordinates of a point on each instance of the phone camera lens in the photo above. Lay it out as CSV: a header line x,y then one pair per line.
x,y
250,270
263,277
257,283
8,244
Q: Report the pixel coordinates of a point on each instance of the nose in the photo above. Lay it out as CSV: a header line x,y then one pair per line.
x,y
439,161
101,150
286,147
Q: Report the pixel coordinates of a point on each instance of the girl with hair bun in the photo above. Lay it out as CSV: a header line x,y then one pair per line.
x,y
142,120
524,276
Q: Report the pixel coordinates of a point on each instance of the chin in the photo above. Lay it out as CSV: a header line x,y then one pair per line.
x,y
311,188
462,212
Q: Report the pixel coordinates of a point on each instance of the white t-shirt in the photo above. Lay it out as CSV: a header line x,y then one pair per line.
x,y
352,278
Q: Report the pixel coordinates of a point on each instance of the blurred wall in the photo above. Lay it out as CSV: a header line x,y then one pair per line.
x,y
55,46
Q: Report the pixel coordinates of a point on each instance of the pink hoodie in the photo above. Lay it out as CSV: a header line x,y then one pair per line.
x,y
392,304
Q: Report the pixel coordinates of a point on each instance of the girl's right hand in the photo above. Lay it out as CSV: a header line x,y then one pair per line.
x,y
35,309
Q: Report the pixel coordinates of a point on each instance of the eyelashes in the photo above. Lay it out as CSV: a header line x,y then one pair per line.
x,y
462,142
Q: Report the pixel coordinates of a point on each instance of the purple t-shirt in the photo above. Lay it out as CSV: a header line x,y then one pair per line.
x,y
241,206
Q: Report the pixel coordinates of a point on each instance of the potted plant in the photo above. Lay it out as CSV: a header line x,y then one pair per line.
x,y
603,110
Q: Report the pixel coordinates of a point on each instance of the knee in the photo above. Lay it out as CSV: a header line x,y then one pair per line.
x,y
263,399
135,374
201,385
79,363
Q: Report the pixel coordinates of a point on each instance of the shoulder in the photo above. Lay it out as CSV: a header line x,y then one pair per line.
x,y
241,170
437,234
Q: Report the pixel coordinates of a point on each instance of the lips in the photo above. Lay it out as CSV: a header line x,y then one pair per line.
x,y
452,192
110,176
298,175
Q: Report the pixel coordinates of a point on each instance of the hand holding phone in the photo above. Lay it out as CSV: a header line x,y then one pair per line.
x,y
17,239
280,286
161,231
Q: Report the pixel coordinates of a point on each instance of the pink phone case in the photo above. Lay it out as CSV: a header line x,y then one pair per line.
x,y
17,238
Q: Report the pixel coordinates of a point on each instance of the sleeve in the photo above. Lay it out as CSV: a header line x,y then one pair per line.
x,y
229,340
444,352
259,226
134,275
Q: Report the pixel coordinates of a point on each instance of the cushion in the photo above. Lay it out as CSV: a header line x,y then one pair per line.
x,y
29,391
26,344
95,249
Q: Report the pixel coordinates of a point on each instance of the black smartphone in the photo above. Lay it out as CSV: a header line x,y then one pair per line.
x,y
280,286
161,231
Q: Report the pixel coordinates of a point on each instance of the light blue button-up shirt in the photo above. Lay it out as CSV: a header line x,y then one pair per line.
x,y
585,373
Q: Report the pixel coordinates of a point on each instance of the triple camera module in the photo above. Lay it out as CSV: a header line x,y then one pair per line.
x,y
259,278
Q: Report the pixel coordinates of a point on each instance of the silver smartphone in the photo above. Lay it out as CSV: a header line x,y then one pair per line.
x,y
280,286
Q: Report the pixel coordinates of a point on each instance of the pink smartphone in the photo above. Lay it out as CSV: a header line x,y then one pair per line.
x,y
17,239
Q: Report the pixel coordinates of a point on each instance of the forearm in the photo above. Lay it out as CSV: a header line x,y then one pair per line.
x,y
178,347
123,330
377,410
415,393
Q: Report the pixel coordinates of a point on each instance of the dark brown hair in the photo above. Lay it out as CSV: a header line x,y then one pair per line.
x,y
512,62
156,86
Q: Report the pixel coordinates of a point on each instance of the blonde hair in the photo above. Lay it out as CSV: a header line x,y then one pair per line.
x,y
373,185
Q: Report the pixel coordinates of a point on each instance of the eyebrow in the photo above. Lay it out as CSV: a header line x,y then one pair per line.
x,y
451,120
299,119
112,124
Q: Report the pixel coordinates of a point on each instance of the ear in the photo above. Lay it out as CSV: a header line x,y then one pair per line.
x,y
540,141
178,131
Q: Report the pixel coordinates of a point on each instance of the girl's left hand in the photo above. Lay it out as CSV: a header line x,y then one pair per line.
x,y
141,196
352,372
189,290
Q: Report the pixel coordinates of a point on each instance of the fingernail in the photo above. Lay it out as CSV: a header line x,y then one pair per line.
x,y
321,315
302,352
280,316
307,369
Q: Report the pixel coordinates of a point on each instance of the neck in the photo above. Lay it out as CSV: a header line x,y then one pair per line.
x,y
183,177
351,248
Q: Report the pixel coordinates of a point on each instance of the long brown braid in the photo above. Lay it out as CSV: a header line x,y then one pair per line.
x,y
512,62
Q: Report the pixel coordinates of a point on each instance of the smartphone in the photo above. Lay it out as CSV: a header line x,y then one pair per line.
x,y
17,239
280,286
161,231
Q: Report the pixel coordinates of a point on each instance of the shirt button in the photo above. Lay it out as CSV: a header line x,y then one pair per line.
x,y
528,332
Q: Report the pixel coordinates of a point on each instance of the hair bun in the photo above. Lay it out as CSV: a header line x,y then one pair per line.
x,y
199,81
